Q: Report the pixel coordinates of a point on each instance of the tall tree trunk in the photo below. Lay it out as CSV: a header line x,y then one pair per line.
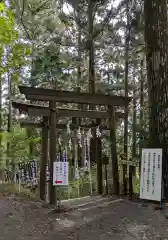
x,y
79,57
156,35
132,169
9,126
141,110
95,146
134,117
91,70
91,47
31,131
79,76
1,125
141,101
112,125
134,126
127,40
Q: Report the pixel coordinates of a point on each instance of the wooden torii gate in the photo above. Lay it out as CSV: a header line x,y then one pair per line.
x,y
37,110
51,113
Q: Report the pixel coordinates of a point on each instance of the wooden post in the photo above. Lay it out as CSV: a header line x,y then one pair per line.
x,y
113,150
99,162
44,157
52,106
106,179
131,168
105,161
74,157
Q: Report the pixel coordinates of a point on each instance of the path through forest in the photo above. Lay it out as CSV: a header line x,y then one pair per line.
x,y
93,219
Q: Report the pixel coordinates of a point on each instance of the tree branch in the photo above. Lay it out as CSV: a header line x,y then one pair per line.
x,y
110,14
21,18
38,9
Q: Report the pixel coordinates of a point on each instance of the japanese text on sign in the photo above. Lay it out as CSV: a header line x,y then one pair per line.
x,y
60,173
151,174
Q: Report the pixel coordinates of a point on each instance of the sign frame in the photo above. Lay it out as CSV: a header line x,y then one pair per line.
x,y
151,174
61,173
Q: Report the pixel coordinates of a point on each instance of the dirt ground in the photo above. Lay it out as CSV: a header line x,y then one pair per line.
x,y
93,219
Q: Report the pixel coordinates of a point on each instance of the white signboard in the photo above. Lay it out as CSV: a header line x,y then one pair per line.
x,y
60,173
151,174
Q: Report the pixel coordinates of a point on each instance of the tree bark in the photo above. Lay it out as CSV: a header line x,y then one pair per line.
x,y
114,150
9,126
127,40
95,146
134,117
91,47
156,37
1,124
79,77
141,111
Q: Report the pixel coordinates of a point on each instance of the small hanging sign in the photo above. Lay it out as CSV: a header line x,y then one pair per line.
x,y
61,170
60,173
34,173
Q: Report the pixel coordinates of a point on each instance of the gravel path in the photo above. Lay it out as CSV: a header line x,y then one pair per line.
x,y
102,220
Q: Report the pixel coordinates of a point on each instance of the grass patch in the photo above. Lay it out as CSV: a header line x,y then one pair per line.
x,y
13,189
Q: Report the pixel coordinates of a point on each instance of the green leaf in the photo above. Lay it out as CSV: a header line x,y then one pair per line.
x,y
1,7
